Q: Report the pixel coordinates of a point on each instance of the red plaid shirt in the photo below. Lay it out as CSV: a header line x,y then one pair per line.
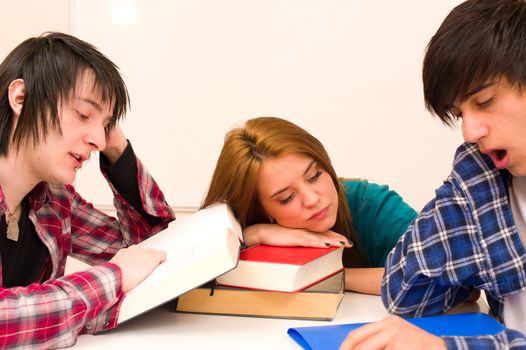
x,y
53,313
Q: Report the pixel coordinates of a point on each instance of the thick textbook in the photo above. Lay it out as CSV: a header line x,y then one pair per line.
x,y
285,269
198,249
330,337
318,302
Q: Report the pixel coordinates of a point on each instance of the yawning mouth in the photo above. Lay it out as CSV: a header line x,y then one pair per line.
x,y
500,158
500,154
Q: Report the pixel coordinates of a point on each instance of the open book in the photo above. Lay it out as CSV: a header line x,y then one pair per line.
x,y
199,248
318,302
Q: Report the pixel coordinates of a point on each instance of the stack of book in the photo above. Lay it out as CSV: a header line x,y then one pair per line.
x,y
278,282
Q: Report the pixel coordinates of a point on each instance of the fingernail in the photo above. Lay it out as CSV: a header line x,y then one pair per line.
x,y
351,243
328,244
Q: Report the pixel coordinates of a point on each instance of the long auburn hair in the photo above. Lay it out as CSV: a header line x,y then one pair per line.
x,y
235,177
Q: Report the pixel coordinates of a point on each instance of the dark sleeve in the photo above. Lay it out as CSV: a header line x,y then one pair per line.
x,y
123,176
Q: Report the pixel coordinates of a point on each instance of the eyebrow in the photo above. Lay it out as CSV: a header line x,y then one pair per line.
x,y
472,92
478,89
97,106
91,102
304,173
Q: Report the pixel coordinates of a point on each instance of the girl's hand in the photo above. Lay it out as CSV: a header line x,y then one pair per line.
x,y
274,234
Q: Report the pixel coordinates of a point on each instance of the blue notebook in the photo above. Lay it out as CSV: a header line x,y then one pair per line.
x,y
330,337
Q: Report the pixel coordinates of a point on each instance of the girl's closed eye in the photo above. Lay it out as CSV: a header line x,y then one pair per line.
x,y
287,200
315,177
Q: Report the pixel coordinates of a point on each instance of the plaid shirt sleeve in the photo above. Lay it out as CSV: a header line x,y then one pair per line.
x,y
428,269
464,238
52,314
507,339
96,237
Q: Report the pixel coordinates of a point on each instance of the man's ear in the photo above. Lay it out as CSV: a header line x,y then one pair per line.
x,y
16,92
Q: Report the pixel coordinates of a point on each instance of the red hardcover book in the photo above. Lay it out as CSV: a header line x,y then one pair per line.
x,y
285,269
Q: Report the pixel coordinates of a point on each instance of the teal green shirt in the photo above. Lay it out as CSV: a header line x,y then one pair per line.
x,y
379,216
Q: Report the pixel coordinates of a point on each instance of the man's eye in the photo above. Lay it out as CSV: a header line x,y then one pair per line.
x,y
485,103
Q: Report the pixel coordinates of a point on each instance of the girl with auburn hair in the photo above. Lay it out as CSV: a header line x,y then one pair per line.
x,y
280,183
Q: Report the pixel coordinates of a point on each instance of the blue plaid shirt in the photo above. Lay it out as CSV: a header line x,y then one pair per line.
x,y
464,238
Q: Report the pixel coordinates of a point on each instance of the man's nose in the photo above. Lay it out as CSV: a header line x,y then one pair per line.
x,y
473,127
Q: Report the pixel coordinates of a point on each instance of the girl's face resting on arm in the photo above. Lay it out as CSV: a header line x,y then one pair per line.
x,y
296,192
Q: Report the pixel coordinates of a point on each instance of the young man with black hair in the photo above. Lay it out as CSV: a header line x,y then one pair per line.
x,y
61,100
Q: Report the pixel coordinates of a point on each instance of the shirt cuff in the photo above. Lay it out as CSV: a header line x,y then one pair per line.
x,y
125,165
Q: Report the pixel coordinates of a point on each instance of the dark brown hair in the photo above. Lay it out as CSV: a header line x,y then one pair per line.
x,y
478,41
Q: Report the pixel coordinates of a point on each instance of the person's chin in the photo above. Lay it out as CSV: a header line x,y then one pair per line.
x,y
323,226
70,181
517,170
64,180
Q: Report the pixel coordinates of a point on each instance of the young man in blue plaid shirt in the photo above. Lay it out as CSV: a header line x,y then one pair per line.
x,y
472,235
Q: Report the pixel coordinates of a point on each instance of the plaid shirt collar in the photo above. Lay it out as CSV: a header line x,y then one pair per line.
x,y
38,197
486,189
464,238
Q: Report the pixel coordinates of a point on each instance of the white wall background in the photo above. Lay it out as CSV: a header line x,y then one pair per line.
x,y
348,71
22,19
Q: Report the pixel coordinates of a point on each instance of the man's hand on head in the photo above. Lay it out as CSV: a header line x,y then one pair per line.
x,y
116,143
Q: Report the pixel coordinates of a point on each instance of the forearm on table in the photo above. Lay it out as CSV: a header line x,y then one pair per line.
x,y
364,280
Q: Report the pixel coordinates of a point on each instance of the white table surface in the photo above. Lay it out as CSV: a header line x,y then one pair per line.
x,y
162,329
